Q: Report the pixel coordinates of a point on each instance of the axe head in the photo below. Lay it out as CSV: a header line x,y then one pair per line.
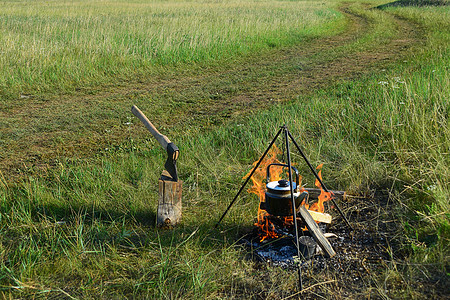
x,y
171,162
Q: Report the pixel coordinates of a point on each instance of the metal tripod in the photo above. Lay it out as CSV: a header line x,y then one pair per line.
x,y
287,136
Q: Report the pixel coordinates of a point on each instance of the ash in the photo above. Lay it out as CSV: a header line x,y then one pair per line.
x,y
279,252
350,248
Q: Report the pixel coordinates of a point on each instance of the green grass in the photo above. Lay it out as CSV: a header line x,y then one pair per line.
x,y
423,146
63,45
83,227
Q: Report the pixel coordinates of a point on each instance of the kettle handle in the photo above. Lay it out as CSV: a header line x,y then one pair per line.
x,y
297,176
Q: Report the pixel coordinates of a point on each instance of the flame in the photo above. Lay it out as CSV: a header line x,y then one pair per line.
x,y
258,188
267,228
324,196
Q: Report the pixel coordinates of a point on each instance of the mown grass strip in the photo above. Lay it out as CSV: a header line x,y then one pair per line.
x,y
59,46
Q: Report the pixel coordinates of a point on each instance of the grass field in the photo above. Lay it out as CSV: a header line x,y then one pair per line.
x,y
78,177
61,45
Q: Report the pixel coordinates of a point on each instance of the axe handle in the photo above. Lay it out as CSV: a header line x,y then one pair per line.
x,y
162,139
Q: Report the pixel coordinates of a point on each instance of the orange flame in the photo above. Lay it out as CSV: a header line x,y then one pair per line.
x,y
258,188
259,177
324,196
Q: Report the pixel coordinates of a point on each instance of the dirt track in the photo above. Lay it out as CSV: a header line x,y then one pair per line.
x,y
43,128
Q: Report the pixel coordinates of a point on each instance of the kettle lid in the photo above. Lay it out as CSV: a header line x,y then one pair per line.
x,y
281,186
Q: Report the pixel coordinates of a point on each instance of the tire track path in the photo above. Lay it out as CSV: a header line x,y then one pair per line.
x,y
71,126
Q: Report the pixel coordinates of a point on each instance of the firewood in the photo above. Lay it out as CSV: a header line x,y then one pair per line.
x,y
320,217
314,193
315,232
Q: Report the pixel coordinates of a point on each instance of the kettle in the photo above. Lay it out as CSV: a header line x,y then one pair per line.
x,y
278,195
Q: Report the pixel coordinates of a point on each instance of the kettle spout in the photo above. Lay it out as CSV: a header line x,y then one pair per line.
x,y
301,197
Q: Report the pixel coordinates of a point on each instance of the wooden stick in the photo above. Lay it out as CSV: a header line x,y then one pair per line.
x,y
315,232
308,288
162,139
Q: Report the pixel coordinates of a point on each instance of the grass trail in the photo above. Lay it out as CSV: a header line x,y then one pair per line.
x,y
64,45
78,193
200,98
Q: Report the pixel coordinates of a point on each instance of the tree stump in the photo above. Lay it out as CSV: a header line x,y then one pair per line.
x,y
169,206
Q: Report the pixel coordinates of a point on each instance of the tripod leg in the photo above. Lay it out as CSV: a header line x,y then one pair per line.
x,y
294,213
320,180
248,178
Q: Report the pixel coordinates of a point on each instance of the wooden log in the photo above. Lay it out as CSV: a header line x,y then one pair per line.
x,y
169,206
315,232
314,193
320,217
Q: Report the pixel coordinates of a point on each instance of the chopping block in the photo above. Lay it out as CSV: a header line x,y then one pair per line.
x,y
170,187
169,201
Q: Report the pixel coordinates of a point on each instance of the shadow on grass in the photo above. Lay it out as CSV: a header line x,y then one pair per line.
x,y
138,228
67,213
133,227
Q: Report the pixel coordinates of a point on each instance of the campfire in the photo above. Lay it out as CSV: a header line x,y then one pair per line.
x,y
274,220
285,209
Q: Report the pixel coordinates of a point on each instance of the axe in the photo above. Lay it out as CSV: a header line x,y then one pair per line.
x,y
172,150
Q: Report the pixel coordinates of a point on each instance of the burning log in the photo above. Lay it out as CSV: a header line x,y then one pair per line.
x,y
314,193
